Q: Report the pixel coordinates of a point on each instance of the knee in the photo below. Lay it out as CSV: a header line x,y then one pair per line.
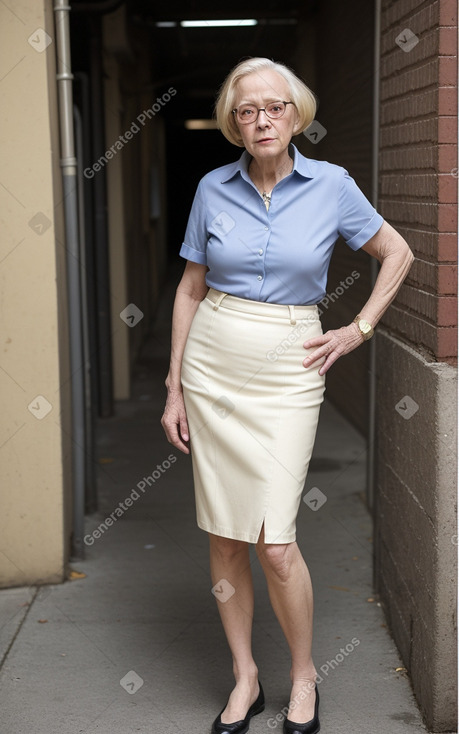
x,y
277,559
226,548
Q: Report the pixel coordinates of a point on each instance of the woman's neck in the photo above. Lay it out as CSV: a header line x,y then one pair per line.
x,y
265,174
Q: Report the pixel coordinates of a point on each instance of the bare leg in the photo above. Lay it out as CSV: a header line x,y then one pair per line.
x,y
290,592
229,560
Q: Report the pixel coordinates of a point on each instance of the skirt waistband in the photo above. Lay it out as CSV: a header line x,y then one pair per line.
x,y
262,308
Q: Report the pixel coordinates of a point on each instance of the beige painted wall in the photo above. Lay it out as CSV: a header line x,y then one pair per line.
x,y
35,448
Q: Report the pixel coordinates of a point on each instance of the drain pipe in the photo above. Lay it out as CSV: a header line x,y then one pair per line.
x,y
374,264
70,189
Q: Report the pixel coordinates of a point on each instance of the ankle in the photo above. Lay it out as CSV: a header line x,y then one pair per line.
x,y
247,674
305,678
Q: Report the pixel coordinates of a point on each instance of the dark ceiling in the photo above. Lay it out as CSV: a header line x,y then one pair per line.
x,y
196,60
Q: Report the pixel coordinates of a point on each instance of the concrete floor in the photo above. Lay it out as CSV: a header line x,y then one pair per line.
x,y
137,645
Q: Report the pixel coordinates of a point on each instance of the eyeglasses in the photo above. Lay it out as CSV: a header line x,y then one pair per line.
x,y
247,113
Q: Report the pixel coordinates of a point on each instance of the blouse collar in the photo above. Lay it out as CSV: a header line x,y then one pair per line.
x,y
301,165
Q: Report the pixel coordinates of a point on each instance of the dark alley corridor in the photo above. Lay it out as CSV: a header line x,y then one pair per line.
x,y
144,614
297,158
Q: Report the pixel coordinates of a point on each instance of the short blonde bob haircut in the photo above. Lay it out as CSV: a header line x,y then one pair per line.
x,y
304,99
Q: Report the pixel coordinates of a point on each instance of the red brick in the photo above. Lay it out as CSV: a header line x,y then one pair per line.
x,y
447,129
440,279
447,217
447,280
421,185
424,244
446,343
447,188
447,71
410,79
447,158
411,327
417,213
447,41
412,106
403,14
440,310
447,101
447,12
415,157
423,275
447,311
447,247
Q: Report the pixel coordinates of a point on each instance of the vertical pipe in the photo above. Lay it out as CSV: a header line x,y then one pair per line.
x,y
70,189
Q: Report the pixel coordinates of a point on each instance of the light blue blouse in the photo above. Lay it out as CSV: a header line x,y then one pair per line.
x,y
280,255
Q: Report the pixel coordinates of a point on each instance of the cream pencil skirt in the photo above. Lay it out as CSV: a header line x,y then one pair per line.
x,y
252,412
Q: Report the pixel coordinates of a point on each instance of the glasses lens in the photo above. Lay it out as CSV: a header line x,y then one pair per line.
x,y
275,109
247,113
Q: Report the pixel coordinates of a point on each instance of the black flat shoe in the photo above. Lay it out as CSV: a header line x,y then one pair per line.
x,y
311,727
242,726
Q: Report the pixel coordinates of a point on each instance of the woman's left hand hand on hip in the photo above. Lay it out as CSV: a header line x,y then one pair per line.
x,y
333,344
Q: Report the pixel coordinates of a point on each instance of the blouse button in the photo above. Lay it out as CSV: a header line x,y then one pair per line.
x,y
260,252
259,277
266,228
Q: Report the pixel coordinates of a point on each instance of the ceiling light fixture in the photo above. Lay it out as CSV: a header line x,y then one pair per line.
x,y
201,124
217,23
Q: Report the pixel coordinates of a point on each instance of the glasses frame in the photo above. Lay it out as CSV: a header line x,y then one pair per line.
x,y
262,109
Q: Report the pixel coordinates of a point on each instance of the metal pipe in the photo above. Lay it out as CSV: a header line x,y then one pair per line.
x,y
70,189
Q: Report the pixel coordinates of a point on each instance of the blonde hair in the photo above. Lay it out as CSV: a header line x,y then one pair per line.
x,y
304,99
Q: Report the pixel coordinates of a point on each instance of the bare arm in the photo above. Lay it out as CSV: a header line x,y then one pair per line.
x,y
190,292
395,256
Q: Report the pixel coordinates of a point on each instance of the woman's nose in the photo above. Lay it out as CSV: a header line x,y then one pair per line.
x,y
263,119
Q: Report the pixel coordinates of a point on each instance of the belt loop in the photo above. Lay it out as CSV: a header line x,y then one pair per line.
x,y
219,300
292,315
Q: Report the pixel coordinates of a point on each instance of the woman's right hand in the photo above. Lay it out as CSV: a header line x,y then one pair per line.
x,y
174,420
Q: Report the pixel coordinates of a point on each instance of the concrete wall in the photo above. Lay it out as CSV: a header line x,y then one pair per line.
x,y
415,531
34,375
416,536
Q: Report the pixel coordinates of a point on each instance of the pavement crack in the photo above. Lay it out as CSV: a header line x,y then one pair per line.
x,y
13,639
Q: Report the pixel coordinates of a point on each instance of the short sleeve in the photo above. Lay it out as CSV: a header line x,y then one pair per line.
x,y
358,219
195,241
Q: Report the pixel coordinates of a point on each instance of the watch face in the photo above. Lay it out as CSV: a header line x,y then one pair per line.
x,y
364,326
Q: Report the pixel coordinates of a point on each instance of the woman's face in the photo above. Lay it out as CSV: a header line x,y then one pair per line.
x,y
266,138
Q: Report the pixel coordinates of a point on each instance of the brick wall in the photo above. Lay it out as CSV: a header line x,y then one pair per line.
x,y
418,159
416,427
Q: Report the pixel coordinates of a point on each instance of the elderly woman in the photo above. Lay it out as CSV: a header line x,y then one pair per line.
x,y
248,359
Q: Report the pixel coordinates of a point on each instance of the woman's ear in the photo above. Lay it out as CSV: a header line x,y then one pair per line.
x,y
296,127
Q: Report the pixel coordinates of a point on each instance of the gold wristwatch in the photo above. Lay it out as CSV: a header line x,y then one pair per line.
x,y
364,327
